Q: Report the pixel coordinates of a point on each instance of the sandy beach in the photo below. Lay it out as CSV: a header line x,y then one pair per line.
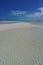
x,y
16,25
21,44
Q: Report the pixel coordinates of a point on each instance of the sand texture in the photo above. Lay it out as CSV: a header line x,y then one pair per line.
x,y
21,46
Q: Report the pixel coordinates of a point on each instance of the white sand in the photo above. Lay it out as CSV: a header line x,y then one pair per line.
x,y
16,25
21,45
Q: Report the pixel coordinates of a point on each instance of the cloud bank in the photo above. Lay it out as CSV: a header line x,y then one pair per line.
x,y
25,13
36,14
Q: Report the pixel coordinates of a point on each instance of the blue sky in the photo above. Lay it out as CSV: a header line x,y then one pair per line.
x,y
21,9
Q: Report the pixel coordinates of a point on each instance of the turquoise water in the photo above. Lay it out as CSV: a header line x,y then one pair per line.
x,y
21,47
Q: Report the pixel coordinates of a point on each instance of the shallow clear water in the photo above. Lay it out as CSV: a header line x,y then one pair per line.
x,y
21,47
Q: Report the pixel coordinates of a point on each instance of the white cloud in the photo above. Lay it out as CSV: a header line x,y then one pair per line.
x,y
36,14
25,13
16,13
29,15
41,9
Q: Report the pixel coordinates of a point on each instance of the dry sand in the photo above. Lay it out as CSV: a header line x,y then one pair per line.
x,y
20,44
16,25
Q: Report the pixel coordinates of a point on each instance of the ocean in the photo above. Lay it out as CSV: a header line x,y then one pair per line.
x,y
22,46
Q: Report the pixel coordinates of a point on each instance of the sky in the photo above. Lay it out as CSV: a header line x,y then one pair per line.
x,y
21,9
